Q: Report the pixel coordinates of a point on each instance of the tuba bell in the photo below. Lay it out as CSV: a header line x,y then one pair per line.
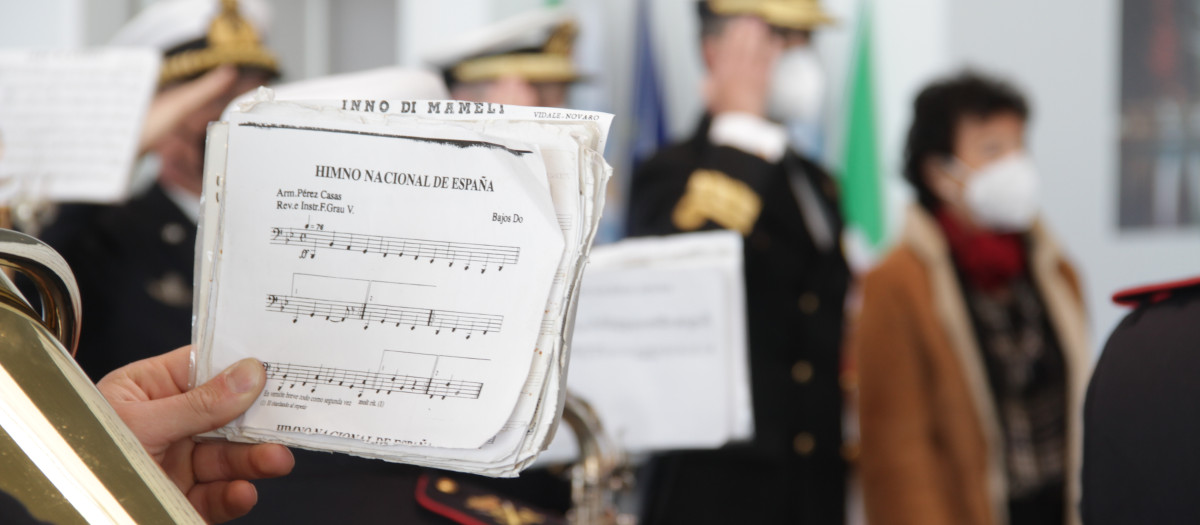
x,y
601,473
64,454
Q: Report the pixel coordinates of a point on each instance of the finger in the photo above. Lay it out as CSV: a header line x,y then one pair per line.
x,y
176,461
211,405
156,377
193,157
190,96
221,501
170,107
218,461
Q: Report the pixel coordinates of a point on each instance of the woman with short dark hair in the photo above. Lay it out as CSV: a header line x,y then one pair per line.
x,y
972,341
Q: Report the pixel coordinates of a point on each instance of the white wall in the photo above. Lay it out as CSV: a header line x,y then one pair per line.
x,y
44,24
424,24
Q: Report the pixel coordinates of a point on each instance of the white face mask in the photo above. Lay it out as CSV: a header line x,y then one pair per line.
x,y
1003,196
797,86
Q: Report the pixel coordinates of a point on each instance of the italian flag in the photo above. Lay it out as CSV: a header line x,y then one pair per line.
x,y
862,186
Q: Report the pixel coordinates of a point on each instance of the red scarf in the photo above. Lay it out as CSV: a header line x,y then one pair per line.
x,y
987,260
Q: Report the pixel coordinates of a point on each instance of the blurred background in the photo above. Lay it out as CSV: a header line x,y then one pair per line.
x,y
1112,84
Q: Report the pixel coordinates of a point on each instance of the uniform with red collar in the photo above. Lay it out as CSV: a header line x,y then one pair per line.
x,y
1142,414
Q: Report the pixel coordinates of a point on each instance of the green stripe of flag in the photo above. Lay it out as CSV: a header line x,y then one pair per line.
x,y
862,199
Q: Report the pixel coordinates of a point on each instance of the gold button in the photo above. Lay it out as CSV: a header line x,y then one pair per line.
x,y
804,443
447,485
809,303
802,372
173,233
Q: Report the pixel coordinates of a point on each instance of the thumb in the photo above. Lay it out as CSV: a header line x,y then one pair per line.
x,y
211,405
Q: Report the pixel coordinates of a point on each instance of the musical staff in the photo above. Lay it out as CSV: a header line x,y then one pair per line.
x,y
314,237
368,314
309,378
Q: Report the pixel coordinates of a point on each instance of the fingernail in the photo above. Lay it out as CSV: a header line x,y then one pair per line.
x,y
244,376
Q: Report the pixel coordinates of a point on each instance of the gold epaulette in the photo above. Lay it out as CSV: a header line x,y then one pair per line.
x,y
712,195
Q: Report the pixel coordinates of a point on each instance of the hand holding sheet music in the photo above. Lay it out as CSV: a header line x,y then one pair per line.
x,y
406,278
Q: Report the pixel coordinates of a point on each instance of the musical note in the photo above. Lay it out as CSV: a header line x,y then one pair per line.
x,y
290,375
313,226
314,236
340,311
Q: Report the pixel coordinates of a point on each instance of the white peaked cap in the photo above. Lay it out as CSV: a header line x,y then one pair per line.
x,y
525,31
169,23
385,83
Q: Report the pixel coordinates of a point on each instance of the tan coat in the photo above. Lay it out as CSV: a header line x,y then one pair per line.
x,y
932,451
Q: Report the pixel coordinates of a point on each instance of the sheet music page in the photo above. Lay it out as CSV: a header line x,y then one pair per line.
x,y
393,277
70,121
536,413
666,315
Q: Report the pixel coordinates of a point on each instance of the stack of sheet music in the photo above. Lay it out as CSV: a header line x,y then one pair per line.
x,y
407,271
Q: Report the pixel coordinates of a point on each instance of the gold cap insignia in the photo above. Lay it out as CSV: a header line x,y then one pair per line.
x,y
789,14
231,40
552,63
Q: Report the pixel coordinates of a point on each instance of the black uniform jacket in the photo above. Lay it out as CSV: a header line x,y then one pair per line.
x,y
1141,435
793,472
134,267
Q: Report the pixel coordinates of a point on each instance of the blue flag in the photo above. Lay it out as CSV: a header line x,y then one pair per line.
x,y
650,122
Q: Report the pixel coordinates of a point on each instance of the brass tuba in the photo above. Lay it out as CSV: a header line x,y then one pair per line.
x,y
602,472
55,283
64,453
